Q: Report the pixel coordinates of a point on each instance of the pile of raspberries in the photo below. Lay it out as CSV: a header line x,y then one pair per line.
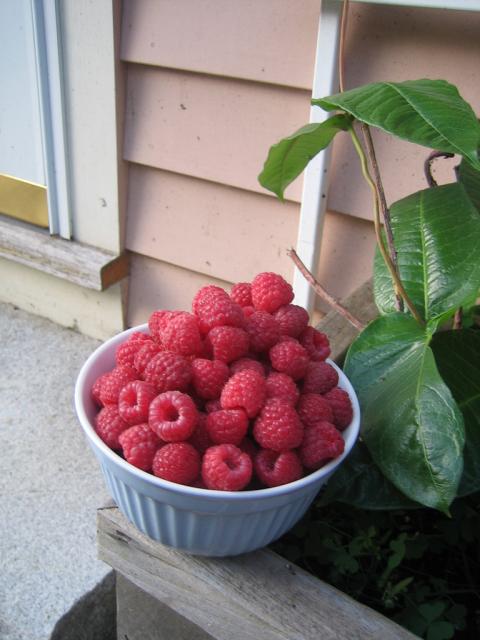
x,y
235,395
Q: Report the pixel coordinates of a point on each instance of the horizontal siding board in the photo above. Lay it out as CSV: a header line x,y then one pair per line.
x,y
220,231
206,127
270,41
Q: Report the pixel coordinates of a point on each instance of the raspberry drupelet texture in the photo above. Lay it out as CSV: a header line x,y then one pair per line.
x,y
341,405
143,356
228,426
312,408
205,295
168,371
225,467
134,400
316,343
177,462
227,343
274,468
181,335
270,292
139,444
263,331
241,293
291,319
244,390
126,352
157,323
278,426
173,416
213,307
319,378
246,363
283,387
109,425
322,442
208,377
114,382
289,357
200,438
97,387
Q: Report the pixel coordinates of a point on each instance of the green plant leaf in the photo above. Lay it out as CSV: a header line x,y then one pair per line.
x,y
437,238
470,178
427,112
457,354
288,158
410,421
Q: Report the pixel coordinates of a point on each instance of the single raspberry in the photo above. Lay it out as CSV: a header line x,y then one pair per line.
x,y
208,377
228,426
278,426
244,390
313,408
246,363
264,331
322,442
173,416
213,405
168,371
134,400
241,293
226,468
200,438
205,295
125,353
97,387
109,425
270,292
341,405
291,319
227,343
139,445
177,462
144,354
316,343
283,387
274,468
181,334
114,382
213,307
289,357
319,378
157,323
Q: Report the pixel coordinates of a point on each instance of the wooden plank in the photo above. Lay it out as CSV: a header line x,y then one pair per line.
x,y
256,595
78,263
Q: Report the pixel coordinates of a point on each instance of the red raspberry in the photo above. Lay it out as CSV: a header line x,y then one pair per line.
x,y
322,442
227,343
168,371
244,390
125,352
316,343
263,329
157,323
241,293
134,400
139,445
109,425
144,355
246,363
177,462
114,382
291,319
181,334
213,308
289,357
247,311
173,416
226,468
228,426
278,426
320,378
208,377
341,405
283,387
97,387
274,468
270,292
213,405
313,408
248,446
200,438
206,294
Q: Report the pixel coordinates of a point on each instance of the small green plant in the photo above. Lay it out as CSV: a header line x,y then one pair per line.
x,y
416,368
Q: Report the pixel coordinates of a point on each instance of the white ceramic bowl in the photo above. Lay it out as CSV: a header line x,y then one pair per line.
x,y
199,521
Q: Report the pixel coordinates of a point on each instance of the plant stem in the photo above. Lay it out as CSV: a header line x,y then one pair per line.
x,y
320,291
427,167
399,288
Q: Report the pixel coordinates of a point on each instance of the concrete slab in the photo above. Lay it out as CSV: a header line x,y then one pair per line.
x,y
50,482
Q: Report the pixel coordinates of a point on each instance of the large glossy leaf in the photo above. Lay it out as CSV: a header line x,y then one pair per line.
x,y
457,354
288,158
411,423
427,112
437,238
470,178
